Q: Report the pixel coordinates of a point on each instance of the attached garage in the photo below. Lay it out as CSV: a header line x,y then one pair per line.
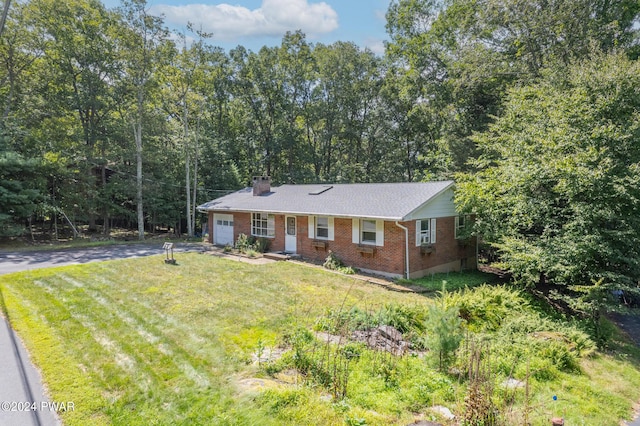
x,y
223,229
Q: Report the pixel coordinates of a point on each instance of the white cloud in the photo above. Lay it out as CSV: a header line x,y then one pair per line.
x,y
375,45
273,18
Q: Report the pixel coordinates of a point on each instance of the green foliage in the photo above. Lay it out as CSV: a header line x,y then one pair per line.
x,y
251,245
20,192
407,319
444,332
485,307
557,188
453,280
334,263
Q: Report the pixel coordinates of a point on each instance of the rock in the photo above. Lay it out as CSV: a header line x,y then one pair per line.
x,y
425,423
443,411
267,355
383,338
512,383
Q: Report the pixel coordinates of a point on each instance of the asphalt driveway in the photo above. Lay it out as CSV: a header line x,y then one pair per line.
x,y
23,399
23,261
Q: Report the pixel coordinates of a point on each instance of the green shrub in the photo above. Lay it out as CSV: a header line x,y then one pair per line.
x,y
333,262
444,333
262,245
244,243
486,307
406,319
345,321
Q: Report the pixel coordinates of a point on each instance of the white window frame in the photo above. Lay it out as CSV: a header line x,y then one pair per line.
x,y
322,226
371,230
460,227
258,220
428,235
313,228
358,231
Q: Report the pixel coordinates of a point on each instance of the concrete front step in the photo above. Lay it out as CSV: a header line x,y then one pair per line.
x,y
277,256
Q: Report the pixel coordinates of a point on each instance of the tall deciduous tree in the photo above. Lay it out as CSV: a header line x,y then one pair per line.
x,y
463,54
143,44
558,187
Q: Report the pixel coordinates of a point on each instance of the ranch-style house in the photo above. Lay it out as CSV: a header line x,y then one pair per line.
x,y
393,229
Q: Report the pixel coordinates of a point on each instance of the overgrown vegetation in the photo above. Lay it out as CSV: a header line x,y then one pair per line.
x,y
217,342
251,245
334,263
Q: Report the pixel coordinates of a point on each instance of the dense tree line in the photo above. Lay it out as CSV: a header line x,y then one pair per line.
x,y
109,119
128,125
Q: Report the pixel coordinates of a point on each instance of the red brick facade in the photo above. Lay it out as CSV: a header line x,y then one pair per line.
x,y
447,254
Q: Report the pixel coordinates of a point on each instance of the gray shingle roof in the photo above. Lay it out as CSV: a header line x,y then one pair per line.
x,y
391,201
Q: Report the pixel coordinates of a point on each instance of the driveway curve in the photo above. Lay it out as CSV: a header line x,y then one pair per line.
x,y
27,260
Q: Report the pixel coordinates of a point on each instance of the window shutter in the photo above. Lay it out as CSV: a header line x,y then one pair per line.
x,y
331,232
456,226
271,225
380,233
432,228
312,226
418,226
355,231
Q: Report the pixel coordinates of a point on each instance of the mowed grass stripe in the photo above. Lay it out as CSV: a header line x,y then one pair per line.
x,y
136,375
109,349
159,351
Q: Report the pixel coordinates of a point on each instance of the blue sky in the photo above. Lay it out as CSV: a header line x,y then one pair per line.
x,y
255,23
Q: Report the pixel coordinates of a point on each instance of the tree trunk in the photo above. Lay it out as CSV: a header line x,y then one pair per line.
x,y
137,127
187,167
195,177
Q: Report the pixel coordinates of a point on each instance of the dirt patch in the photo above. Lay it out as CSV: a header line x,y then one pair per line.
x,y
254,384
267,355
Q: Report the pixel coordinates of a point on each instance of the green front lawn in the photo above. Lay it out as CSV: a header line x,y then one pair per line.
x,y
140,342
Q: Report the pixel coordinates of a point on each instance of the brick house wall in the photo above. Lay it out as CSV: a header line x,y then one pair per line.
x,y
449,254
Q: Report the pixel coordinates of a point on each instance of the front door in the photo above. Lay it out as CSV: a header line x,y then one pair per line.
x,y
290,234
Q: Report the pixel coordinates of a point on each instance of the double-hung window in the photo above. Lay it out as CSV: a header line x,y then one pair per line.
x,y
461,223
322,227
262,225
368,231
425,232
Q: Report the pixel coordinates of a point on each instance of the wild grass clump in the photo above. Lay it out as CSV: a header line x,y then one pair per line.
x,y
454,280
334,263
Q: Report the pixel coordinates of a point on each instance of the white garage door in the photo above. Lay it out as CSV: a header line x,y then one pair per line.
x,y
223,229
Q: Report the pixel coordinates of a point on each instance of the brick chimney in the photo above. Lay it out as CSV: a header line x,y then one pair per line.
x,y
261,185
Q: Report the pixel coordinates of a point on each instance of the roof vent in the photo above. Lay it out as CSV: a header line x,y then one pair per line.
x,y
320,190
